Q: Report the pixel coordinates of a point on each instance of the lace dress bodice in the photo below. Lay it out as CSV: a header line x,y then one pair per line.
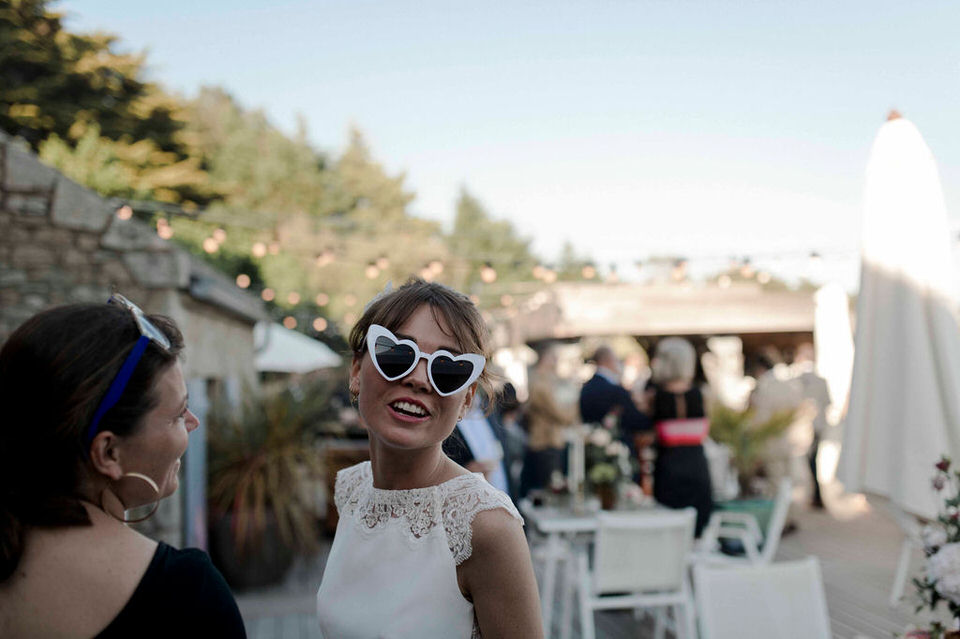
x,y
391,571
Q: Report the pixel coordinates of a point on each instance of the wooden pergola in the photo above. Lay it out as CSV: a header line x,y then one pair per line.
x,y
760,316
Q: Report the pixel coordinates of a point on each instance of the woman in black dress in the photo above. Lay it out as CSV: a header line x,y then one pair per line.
x,y
681,477
95,421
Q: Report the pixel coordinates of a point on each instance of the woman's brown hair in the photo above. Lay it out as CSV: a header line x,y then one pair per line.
x,y
54,370
450,308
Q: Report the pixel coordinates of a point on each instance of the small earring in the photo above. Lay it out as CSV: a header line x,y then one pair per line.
x,y
156,504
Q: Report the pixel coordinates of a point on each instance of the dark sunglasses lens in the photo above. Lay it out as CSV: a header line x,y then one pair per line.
x,y
450,375
394,359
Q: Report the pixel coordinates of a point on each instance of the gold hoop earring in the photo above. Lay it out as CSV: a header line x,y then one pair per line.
x,y
156,504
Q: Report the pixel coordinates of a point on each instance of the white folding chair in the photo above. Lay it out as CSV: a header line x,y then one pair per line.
x,y
759,548
784,600
639,561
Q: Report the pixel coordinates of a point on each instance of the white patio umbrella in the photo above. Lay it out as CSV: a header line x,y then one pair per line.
x,y
279,350
905,393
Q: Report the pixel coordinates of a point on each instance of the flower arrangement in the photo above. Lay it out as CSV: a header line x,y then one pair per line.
x,y
941,545
607,460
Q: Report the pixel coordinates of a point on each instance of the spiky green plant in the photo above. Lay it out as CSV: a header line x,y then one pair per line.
x,y
747,438
259,459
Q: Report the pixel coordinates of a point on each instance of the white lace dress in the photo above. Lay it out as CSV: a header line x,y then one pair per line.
x,y
392,570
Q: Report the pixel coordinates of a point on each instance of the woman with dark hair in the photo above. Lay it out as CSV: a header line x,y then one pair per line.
x,y
423,548
95,422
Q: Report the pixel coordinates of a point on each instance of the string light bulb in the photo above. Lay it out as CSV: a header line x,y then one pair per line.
x,y
322,299
325,257
488,274
383,262
268,294
219,235
124,212
290,322
319,324
293,298
259,249
243,280
372,271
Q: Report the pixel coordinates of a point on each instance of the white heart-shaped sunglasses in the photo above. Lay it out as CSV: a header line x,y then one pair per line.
x,y
396,358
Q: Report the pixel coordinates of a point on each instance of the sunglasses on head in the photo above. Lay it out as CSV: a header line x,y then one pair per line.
x,y
396,358
148,333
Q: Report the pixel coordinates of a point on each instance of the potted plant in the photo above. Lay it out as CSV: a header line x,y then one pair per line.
x,y
748,441
262,461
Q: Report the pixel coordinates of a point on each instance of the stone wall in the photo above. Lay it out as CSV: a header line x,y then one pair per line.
x,y
62,243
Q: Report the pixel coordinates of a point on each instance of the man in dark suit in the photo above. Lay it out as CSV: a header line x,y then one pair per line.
x,y
603,395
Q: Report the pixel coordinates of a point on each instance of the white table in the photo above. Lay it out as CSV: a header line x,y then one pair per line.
x,y
564,527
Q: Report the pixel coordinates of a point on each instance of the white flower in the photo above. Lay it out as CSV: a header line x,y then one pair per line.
x,y
933,537
943,569
616,449
600,437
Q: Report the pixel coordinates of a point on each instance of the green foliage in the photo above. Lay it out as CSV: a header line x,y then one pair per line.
x,y
259,460
87,108
477,239
571,264
746,438
137,170
73,90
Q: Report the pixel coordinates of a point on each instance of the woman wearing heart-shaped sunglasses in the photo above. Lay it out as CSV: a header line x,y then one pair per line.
x,y
423,548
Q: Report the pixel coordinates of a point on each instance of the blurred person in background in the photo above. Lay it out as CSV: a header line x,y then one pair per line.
x,y
547,421
95,422
485,453
602,399
506,425
816,394
681,476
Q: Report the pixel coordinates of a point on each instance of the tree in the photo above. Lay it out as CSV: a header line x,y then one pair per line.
x,y
58,85
571,265
483,242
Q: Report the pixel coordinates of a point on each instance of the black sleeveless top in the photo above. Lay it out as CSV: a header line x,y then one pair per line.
x,y
181,594
681,476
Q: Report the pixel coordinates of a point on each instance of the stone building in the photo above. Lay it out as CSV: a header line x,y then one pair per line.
x,y
62,243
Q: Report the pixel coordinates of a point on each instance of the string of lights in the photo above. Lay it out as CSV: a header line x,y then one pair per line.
x,y
223,223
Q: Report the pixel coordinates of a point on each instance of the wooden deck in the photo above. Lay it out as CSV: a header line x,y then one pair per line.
x,y
857,546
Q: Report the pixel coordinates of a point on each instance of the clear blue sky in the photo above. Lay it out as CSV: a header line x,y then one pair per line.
x,y
631,128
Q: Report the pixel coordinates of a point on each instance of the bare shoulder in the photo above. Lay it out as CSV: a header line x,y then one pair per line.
x,y
493,528
498,577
